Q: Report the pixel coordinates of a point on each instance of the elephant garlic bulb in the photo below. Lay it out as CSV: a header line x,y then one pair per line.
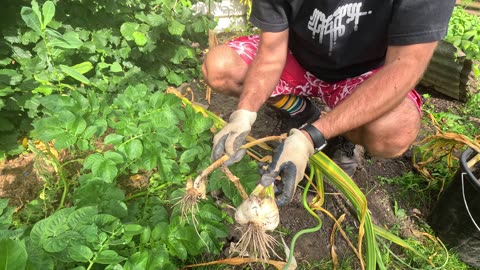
x,y
256,215
262,212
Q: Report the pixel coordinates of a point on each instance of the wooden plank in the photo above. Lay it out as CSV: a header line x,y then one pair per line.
x,y
472,7
474,4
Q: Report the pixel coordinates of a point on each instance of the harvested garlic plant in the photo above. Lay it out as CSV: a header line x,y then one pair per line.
x,y
257,215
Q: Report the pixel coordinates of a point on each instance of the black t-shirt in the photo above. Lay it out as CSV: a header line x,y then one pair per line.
x,y
338,39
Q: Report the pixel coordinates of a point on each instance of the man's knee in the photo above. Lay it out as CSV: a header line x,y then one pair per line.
x,y
391,135
223,70
389,147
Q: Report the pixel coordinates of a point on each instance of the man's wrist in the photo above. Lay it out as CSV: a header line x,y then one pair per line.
x,y
315,136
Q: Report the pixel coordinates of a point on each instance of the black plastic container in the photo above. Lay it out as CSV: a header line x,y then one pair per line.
x,y
456,216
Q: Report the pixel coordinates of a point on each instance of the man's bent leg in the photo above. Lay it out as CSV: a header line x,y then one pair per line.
x,y
224,70
392,134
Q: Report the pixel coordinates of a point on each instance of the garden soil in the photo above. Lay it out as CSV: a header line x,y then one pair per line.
x,y
20,183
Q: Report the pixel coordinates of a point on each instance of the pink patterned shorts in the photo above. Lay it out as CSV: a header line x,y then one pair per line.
x,y
295,80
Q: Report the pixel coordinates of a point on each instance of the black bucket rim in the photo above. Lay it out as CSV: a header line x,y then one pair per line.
x,y
465,169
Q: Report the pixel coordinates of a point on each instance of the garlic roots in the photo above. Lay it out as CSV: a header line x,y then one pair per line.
x,y
256,215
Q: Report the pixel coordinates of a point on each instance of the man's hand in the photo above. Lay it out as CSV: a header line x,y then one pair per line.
x,y
233,135
289,162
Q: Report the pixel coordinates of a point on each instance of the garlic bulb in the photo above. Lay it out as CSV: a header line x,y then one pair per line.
x,y
262,212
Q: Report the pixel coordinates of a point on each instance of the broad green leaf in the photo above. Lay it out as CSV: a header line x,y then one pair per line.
x,y
176,28
201,124
80,216
78,126
138,261
5,125
133,229
90,131
21,54
116,208
115,267
80,253
177,249
58,243
145,235
43,89
3,205
10,77
82,144
50,226
70,71
113,138
163,71
133,149
38,258
106,169
161,259
92,159
109,257
151,19
36,10
66,117
31,19
79,268
83,68
189,155
69,40
211,213
12,254
173,78
48,10
160,232
64,140
6,90
139,38
128,28
114,156
116,67
30,37
54,33
182,53
198,26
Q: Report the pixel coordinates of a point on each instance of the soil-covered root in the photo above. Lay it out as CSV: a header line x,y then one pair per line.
x,y
194,192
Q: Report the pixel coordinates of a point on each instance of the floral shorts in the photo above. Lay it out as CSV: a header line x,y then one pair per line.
x,y
295,80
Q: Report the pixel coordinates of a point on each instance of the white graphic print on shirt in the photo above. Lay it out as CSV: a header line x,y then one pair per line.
x,y
333,26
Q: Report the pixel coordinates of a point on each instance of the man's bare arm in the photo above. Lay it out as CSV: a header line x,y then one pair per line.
x,y
382,92
265,70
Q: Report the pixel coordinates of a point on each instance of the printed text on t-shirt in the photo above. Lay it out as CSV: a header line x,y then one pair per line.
x,y
334,24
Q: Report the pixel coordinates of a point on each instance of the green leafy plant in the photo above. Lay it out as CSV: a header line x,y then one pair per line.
x,y
464,33
75,84
51,47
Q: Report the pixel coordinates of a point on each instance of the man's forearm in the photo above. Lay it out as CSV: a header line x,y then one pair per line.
x,y
381,93
264,71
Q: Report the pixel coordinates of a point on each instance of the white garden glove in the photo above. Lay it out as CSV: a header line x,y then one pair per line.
x,y
233,135
289,162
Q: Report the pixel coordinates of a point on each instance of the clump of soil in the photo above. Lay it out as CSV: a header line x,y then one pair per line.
x,y
18,180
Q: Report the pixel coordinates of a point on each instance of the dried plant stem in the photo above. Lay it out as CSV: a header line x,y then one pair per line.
x,y
265,139
235,181
473,161
203,175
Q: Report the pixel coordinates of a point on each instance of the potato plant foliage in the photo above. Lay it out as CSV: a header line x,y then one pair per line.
x,y
87,78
